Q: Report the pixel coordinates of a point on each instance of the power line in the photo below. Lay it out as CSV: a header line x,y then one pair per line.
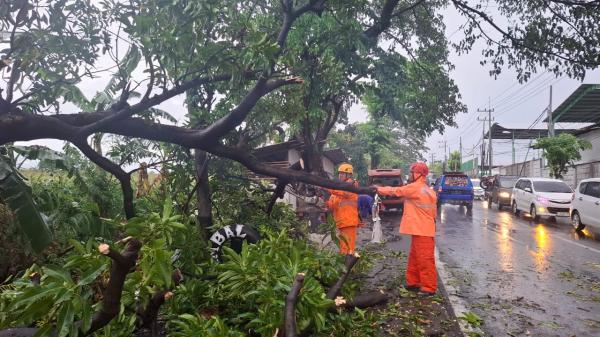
x,y
536,92
524,91
521,88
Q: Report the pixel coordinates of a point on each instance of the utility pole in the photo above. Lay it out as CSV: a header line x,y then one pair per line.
x,y
460,150
445,155
489,119
474,162
550,121
513,146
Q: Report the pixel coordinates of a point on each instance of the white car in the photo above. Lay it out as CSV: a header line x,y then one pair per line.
x,y
542,197
478,192
585,209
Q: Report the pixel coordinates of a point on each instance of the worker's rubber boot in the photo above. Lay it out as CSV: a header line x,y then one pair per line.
x,y
426,294
412,288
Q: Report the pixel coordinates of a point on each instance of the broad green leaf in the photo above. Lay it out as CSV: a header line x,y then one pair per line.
x,y
91,275
15,193
65,320
57,272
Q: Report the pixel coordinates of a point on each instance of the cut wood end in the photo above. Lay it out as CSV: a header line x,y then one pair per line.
x,y
125,240
302,274
276,332
297,80
339,301
357,255
103,248
168,295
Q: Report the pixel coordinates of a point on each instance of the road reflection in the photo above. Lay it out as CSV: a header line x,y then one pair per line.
x,y
544,245
584,234
505,244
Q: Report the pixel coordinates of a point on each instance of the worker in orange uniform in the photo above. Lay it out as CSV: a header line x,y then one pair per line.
x,y
344,206
418,220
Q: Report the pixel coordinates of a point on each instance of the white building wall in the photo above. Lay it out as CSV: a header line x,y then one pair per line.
x,y
328,166
593,154
293,156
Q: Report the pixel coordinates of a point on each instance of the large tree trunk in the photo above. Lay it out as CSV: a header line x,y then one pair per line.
x,y
313,157
203,193
375,160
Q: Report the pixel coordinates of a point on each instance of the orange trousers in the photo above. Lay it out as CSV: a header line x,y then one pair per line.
x,y
347,236
421,270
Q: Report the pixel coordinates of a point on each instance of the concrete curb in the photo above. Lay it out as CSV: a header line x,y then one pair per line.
x,y
458,305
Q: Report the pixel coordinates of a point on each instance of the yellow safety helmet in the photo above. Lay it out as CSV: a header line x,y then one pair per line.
x,y
346,168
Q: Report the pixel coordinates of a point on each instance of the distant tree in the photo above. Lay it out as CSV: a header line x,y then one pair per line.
x,y
436,168
561,151
454,162
378,143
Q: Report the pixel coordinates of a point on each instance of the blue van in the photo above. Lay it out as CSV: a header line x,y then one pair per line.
x,y
454,188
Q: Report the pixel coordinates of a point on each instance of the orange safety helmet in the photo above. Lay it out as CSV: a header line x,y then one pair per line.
x,y
346,168
420,168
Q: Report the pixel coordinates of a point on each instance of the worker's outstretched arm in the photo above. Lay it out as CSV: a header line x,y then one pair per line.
x,y
341,194
402,191
391,191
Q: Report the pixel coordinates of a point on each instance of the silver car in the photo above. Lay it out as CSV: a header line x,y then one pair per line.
x,y
478,192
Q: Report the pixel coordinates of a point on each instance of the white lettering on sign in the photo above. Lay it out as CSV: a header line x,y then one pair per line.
x,y
218,238
238,231
228,232
224,234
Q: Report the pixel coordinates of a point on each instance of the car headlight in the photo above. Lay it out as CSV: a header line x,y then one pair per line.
x,y
504,195
543,201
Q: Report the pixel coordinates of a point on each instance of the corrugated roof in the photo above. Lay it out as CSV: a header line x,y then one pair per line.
x,y
499,132
582,106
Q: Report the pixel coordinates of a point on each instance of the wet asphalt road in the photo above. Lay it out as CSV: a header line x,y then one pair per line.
x,y
524,278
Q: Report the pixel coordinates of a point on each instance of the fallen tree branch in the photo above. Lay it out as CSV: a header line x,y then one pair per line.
x,y
147,316
362,301
123,177
334,291
24,127
123,263
290,306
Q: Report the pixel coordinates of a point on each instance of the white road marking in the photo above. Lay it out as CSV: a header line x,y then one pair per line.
x,y
578,244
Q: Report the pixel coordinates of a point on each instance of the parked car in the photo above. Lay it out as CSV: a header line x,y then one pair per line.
x,y
454,188
498,189
388,177
542,197
585,208
478,192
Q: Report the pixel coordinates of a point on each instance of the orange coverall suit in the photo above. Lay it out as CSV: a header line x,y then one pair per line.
x,y
418,220
345,213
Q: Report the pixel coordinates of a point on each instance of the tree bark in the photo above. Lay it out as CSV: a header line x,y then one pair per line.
x,y
204,217
24,127
290,306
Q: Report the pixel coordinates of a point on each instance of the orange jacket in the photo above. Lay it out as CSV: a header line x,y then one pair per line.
x,y
420,207
345,208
